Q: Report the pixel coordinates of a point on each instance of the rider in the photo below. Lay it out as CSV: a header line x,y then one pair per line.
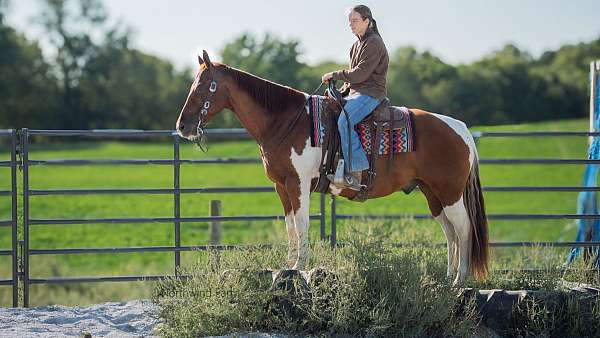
x,y
366,81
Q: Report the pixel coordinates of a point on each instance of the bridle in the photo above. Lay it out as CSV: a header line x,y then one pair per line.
x,y
201,140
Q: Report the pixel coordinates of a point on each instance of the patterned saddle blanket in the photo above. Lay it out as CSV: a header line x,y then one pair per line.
x,y
399,139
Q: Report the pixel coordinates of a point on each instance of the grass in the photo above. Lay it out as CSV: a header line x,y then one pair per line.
x,y
364,290
367,288
156,176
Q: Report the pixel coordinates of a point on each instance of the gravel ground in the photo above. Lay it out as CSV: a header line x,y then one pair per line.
x,y
132,319
136,318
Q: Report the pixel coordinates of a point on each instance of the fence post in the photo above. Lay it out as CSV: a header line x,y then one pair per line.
x,y
13,176
25,252
215,235
594,70
323,215
215,225
176,201
333,237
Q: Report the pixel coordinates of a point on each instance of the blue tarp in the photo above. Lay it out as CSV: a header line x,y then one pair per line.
x,y
589,230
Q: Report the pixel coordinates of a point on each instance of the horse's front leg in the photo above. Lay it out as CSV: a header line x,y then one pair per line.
x,y
290,226
300,199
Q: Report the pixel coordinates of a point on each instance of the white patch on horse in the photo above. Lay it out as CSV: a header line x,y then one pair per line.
x,y
292,240
306,164
461,129
452,243
459,217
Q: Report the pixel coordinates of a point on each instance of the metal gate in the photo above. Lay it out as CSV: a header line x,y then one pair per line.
x,y
12,221
29,223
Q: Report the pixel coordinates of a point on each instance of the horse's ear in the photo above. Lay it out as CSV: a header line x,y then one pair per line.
x,y
206,59
200,61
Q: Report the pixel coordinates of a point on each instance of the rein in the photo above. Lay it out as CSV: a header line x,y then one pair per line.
x,y
201,140
298,115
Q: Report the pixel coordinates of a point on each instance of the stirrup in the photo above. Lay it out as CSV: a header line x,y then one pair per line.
x,y
342,179
352,183
348,182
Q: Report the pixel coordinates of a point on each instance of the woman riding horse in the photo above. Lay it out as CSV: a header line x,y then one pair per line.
x,y
444,163
366,82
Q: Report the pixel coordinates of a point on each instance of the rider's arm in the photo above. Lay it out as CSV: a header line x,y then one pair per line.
x,y
369,57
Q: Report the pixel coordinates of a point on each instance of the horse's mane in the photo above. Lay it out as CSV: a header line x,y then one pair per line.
x,y
274,97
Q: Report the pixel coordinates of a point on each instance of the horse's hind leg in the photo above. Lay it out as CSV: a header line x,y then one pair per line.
x,y
459,217
435,206
452,244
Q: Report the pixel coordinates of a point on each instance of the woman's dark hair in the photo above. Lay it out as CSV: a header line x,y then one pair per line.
x,y
365,13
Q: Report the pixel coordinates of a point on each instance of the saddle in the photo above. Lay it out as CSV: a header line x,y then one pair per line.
x,y
384,117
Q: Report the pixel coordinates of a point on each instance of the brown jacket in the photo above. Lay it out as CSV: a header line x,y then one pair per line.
x,y
368,66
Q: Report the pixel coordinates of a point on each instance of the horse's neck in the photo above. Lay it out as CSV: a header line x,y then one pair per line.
x,y
265,127
252,117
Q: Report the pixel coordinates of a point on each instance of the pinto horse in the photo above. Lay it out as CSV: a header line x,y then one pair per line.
x,y
445,163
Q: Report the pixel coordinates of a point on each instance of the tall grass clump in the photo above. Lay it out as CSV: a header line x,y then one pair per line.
x,y
364,288
568,315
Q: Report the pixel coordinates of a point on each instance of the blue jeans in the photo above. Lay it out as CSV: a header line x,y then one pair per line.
x,y
358,107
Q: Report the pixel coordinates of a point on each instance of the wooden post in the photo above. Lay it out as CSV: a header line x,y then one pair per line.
x,y
215,226
215,235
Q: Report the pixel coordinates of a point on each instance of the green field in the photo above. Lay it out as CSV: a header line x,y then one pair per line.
x,y
195,176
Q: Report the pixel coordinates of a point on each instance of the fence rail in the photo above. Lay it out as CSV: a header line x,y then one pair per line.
x,y
176,191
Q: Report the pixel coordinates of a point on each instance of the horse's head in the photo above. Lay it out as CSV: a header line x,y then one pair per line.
x,y
205,99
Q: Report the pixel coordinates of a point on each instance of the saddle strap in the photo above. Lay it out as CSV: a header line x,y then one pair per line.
x,y
374,154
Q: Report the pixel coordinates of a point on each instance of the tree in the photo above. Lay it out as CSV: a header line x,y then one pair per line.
x,y
3,7
269,57
70,26
123,87
27,87
103,82
411,75
309,77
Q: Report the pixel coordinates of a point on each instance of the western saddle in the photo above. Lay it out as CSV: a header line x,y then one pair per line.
x,y
380,119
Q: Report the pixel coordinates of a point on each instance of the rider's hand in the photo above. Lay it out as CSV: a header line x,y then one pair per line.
x,y
326,77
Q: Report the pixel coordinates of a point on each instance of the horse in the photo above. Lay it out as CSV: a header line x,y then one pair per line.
x,y
444,164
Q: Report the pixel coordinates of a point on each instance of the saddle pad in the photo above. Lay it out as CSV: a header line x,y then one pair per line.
x,y
402,139
314,106
399,140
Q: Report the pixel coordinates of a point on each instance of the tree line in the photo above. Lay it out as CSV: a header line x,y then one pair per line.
x,y
94,78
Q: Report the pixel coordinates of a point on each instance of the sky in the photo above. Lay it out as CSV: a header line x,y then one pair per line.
x,y
458,31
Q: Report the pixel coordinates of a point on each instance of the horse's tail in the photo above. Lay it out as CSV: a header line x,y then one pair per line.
x,y
473,199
